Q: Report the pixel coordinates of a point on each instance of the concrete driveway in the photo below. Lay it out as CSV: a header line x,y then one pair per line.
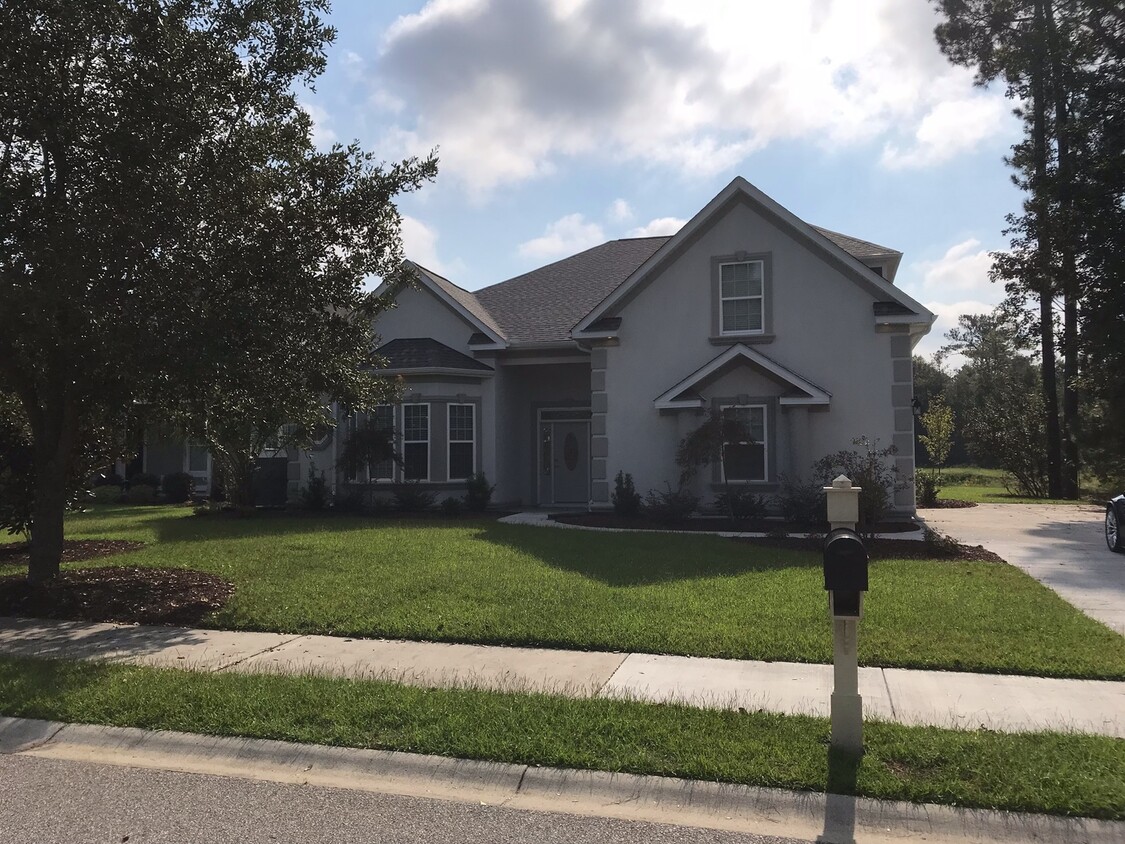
x,y
1061,546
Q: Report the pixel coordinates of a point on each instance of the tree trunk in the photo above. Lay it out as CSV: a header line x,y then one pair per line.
x,y
1066,243
1040,206
48,512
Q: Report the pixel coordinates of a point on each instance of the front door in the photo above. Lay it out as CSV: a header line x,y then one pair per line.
x,y
571,463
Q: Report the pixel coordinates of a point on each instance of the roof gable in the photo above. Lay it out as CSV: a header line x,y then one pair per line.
x,y
464,303
829,245
684,394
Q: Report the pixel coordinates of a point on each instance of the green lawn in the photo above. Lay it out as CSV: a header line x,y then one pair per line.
x,y
986,486
492,583
1044,772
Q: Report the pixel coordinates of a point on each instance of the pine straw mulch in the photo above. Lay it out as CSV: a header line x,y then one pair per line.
x,y
127,594
948,504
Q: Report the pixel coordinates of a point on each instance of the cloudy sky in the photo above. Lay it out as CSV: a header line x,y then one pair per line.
x,y
561,124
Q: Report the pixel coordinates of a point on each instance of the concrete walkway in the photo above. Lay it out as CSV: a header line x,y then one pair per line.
x,y
946,699
1060,545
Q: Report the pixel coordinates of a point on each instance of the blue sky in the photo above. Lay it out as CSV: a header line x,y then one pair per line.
x,y
561,124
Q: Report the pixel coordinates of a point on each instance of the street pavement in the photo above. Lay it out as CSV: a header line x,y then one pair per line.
x,y
1060,545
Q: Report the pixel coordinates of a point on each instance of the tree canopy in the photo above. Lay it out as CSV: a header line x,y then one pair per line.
x,y
171,235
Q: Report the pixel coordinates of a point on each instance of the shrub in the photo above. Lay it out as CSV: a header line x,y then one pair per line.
x,y
868,469
351,501
451,506
478,492
927,486
144,479
741,503
178,487
315,494
801,501
626,499
109,479
141,494
410,498
671,506
107,494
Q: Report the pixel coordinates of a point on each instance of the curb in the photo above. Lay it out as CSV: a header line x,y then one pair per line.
x,y
828,818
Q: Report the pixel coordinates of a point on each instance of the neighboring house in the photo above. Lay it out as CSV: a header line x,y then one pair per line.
x,y
553,381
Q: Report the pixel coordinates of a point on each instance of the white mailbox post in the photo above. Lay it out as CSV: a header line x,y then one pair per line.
x,y
845,576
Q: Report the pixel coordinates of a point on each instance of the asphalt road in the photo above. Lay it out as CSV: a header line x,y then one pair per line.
x,y
62,802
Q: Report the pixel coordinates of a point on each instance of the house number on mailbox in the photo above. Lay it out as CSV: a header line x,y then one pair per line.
x,y
570,451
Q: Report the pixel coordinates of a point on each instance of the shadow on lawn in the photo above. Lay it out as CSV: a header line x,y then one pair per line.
x,y
641,559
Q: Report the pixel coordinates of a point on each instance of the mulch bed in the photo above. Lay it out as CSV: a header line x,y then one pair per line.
x,y
118,593
612,520
945,550
74,550
948,504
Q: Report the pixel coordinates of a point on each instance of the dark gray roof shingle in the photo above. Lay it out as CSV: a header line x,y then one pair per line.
x,y
426,353
864,250
543,305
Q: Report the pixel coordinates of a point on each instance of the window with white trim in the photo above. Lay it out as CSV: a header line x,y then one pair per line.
x,y
416,442
745,459
383,420
355,474
741,297
462,441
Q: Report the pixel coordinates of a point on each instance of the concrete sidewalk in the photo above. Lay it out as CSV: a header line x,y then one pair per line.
x,y
938,698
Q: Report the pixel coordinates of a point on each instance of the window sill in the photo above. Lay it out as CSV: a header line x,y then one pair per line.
x,y
755,486
750,339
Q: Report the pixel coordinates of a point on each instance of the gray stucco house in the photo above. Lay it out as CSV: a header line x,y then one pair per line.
x,y
553,381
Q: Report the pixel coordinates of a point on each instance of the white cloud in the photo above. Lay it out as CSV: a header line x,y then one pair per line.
x,y
508,88
661,226
964,267
566,236
419,244
620,211
949,129
322,134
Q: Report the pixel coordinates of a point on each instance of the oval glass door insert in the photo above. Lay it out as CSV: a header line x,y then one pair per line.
x,y
570,451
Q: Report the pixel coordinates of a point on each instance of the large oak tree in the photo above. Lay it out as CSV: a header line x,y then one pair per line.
x,y
170,236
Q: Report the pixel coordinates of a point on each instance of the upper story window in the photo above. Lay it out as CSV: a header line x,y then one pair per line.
x,y
742,297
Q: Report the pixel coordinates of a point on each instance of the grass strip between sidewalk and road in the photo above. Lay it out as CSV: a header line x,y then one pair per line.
x,y
1064,774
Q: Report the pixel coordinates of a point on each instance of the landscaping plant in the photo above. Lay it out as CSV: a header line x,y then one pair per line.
x,y
478,492
626,499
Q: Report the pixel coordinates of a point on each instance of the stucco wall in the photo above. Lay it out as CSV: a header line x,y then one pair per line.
x,y
824,331
419,313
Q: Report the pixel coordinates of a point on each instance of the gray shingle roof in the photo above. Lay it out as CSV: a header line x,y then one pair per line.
x,y
426,353
543,305
861,249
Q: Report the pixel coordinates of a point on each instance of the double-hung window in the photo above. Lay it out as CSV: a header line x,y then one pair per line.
x,y
744,458
462,441
416,442
741,297
382,420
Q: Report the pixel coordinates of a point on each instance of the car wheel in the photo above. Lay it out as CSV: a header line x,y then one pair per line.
x,y
1113,536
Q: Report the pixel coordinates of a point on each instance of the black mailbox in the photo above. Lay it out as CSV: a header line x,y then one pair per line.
x,y
845,562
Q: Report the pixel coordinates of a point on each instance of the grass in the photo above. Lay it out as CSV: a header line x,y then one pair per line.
x,y
986,486
1066,774
490,583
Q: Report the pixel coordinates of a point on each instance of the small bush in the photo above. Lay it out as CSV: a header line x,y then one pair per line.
x,y
141,494
801,501
107,494
144,479
315,494
410,498
869,469
927,486
741,503
478,492
178,487
109,479
670,506
626,499
351,501
451,506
